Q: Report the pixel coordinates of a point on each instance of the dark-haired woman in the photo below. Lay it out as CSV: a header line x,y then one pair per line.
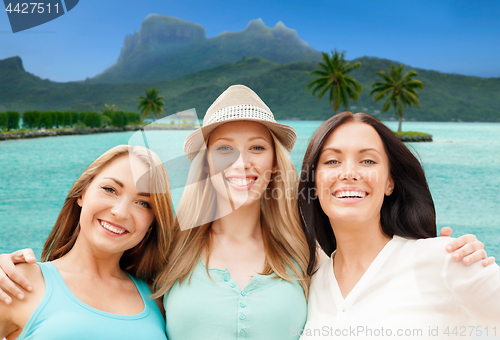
x,y
371,208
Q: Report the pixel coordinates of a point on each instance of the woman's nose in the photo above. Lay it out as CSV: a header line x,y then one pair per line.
x,y
243,161
349,172
121,209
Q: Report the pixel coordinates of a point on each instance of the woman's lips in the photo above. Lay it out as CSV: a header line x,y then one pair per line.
x,y
112,229
350,194
241,183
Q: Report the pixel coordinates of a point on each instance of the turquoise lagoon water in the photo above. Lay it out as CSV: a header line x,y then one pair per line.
x,y
462,167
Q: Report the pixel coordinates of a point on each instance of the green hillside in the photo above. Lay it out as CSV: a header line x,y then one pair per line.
x,y
446,97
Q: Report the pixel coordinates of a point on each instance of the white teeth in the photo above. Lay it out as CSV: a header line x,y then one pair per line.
x,y
111,228
350,194
241,183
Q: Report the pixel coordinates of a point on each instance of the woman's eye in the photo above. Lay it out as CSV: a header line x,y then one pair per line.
x,y
332,162
223,148
145,204
369,161
258,148
109,189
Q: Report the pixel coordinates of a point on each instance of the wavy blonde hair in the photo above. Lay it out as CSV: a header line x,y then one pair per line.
x,y
284,241
147,258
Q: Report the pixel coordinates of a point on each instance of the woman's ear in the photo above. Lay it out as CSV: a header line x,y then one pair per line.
x,y
390,186
79,201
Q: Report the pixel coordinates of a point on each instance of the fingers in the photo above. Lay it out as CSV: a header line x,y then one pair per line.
x,y
10,274
446,231
23,256
8,286
460,242
488,261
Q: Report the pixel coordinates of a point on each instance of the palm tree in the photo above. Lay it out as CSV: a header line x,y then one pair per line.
x,y
333,78
401,90
151,104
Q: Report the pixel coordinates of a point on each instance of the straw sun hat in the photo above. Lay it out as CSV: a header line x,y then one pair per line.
x,y
237,103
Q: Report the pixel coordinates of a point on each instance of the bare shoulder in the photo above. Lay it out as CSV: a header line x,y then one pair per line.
x,y
22,310
31,272
13,317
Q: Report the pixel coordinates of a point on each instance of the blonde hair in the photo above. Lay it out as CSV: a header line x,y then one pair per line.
x,y
284,241
147,258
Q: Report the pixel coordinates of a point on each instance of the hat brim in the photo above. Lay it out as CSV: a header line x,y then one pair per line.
x,y
195,141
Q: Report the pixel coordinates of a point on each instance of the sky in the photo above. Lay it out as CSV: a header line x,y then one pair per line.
x,y
459,36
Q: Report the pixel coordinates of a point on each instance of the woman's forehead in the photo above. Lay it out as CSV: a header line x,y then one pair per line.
x,y
354,136
240,131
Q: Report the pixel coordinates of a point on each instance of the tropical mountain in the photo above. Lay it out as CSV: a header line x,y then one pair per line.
x,y
446,97
166,48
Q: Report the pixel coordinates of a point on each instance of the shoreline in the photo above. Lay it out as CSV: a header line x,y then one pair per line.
x,y
418,138
84,131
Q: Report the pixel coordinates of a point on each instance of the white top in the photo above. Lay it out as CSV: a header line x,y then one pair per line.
x,y
412,290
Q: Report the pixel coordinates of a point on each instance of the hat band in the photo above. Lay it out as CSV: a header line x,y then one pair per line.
x,y
240,112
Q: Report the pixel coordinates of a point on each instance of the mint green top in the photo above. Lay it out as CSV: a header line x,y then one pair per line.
x,y
61,316
217,309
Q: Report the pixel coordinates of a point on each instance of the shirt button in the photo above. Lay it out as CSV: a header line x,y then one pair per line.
x,y
242,305
226,279
232,285
242,332
243,293
242,317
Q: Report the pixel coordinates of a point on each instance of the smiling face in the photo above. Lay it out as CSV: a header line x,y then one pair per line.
x,y
353,174
115,216
243,154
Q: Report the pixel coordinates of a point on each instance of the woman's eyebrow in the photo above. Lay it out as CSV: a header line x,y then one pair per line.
x,y
145,194
332,149
224,138
369,149
360,151
257,137
117,181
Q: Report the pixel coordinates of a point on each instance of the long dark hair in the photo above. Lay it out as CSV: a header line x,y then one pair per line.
x,y
408,212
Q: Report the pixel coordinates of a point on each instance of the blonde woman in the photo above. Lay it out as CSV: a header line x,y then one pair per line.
x,y
109,239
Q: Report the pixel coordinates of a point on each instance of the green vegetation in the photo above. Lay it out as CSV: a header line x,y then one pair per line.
x,y
13,119
448,97
410,133
151,104
3,121
400,90
34,120
334,79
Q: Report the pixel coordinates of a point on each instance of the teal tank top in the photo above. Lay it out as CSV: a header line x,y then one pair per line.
x,y
61,316
215,308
